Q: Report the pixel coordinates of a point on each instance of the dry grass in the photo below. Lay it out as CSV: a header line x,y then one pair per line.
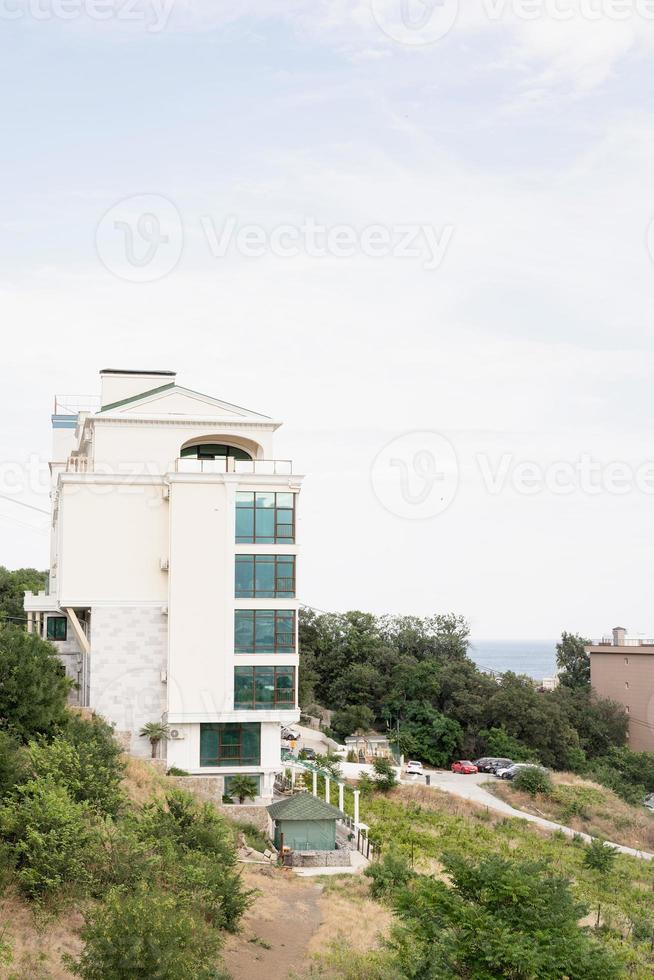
x,y
142,781
350,917
586,807
37,942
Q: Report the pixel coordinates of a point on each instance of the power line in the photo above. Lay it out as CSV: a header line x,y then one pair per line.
x,y
39,510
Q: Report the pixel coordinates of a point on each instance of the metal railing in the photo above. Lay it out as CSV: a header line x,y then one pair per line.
x,y
74,404
225,464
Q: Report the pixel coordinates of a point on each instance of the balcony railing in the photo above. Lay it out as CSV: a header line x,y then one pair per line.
x,y
223,464
628,641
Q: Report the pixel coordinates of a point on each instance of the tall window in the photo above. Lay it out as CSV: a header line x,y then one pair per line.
x,y
264,631
57,628
265,517
264,688
230,745
265,576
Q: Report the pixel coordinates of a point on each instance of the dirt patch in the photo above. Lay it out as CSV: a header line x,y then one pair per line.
x,y
278,928
38,943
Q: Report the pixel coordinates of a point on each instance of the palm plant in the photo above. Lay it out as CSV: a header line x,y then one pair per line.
x,y
157,732
243,788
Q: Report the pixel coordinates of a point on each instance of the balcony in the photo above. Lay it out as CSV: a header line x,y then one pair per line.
x,y
225,464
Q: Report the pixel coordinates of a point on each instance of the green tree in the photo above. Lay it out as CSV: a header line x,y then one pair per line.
x,y
148,935
385,777
352,719
600,858
429,735
497,742
157,732
13,586
496,919
389,875
243,788
33,686
573,661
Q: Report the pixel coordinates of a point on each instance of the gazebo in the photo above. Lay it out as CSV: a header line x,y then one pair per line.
x,y
306,823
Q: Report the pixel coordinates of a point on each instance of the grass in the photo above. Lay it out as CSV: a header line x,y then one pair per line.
x,y
586,807
254,837
423,823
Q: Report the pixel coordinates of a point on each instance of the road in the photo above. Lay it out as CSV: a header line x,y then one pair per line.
x,y
471,788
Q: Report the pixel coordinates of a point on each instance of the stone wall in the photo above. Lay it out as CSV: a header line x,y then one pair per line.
x,y
209,788
321,859
257,815
128,655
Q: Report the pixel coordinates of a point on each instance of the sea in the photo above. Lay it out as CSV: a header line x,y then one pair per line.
x,y
536,658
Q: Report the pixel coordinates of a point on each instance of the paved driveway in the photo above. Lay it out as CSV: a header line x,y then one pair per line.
x,y
471,788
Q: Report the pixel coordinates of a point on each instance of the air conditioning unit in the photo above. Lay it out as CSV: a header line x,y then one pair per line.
x,y
164,564
176,734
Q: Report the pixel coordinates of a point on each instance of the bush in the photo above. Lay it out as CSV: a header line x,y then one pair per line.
x,y
533,780
253,836
351,756
33,687
385,778
176,771
86,760
51,838
388,875
149,935
497,743
13,764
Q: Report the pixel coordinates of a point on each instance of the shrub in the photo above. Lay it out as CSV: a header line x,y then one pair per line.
x,y
148,935
497,743
253,836
351,756
176,771
13,764
86,760
52,839
385,778
243,788
33,687
533,780
388,875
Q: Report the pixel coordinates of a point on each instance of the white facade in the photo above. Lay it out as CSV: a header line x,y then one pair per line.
x,y
142,571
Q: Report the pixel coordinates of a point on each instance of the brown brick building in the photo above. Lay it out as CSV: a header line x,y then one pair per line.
x,y
622,669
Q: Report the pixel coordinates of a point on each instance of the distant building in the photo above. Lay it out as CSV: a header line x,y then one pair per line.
x,y
369,746
622,669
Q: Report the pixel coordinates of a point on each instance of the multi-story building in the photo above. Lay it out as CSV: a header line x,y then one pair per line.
x,y
622,669
173,571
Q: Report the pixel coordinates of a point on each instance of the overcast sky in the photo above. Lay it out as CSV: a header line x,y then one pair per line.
x,y
417,237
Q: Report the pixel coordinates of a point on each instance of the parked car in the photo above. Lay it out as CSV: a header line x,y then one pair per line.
x,y
309,754
464,766
489,763
414,768
512,771
649,801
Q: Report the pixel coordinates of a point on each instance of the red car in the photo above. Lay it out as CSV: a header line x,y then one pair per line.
x,y
464,766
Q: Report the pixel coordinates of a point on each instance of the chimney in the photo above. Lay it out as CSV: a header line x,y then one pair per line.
x,y
619,634
117,384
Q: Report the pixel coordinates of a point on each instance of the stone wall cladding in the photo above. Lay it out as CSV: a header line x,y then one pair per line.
x,y
321,859
129,647
257,815
209,788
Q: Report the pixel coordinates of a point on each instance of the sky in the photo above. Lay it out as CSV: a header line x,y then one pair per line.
x,y
418,231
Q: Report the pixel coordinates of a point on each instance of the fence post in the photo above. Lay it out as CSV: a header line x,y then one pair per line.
x,y
341,797
356,808
327,789
315,782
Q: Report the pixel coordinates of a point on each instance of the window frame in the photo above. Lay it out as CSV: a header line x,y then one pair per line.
x,y
226,728
276,537
276,561
56,621
277,703
278,648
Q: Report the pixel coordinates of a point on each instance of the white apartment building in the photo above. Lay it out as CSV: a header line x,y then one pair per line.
x,y
173,571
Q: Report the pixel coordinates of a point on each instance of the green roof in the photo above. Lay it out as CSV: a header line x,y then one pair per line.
x,y
136,398
304,806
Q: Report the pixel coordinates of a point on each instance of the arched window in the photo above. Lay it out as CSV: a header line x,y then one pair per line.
x,y
211,450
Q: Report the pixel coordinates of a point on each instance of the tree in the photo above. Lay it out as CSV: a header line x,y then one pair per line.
x,y
13,586
385,778
573,661
352,719
243,788
33,685
429,735
157,732
600,858
497,918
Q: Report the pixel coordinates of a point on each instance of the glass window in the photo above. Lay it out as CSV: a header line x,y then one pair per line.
x,y
265,577
230,745
262,688
210,450
264,631
57,628
265,517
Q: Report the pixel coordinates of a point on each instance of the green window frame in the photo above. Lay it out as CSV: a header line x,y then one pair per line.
x,y
265,517
230,744
264,688
264,577
57,628
264,631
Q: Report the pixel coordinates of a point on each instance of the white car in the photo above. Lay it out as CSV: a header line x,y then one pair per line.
x,y
414,768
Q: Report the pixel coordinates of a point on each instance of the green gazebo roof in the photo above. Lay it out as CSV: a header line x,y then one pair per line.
x,y
304,806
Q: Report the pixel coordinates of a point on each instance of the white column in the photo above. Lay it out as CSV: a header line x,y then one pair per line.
x,y
341,797
356,808
327,789
315,782
30,622
293,777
